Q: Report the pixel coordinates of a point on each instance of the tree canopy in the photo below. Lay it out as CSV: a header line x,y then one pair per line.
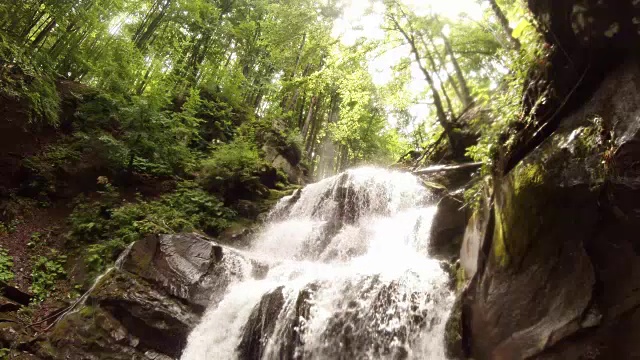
x,y
187,74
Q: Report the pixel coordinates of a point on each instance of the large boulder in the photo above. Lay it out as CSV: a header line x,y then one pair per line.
x,y
447,184
555,255
190,267
146,306
279,158
262,322
447,229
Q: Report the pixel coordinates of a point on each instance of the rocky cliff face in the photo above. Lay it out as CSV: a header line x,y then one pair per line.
x,y
553,253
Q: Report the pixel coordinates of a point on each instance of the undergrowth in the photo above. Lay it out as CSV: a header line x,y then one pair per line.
x,y
6,266
24,79
107,225
46,271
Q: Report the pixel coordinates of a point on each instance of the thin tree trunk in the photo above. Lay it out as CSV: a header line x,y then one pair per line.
x,y
317,120
344,158
44,32
442,87
145,78
301,111
38,15
435,69
145,32
309,142
299,55
443,61
441,115
504,23
464,88
307,122
311,145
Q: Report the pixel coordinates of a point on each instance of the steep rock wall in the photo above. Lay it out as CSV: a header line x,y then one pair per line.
x,y
555,254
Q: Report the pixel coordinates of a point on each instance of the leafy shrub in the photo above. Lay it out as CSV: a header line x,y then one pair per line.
x,y
46,169
36,240
24,80
10,227
137,135
232,170
505,107
38,93
109,225
45,273
6,266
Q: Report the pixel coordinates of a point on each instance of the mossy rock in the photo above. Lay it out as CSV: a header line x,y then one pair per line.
x,y
453,332
544,195
123,318
562,273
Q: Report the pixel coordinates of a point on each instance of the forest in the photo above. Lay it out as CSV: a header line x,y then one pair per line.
x,y
125,118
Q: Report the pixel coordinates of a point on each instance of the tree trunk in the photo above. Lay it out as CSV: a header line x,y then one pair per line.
x,y
434,67
37,16
301,111
443,61
464,88
504,23
43,33
144,32
299,55
441,115
310,148
344,158
315,126
307,122
309,141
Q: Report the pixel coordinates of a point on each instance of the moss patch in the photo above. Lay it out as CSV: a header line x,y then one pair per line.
x,y
519,213
275,196
543,201
453,331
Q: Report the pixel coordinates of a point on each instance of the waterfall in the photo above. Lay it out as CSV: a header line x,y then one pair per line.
x,y
349,277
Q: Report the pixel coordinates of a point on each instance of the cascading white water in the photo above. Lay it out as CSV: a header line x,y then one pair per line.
x,y
350,267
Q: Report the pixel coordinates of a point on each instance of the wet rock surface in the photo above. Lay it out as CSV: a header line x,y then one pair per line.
x,y
554,257
285,158
188,266
146,307
448,227
354,331
262,325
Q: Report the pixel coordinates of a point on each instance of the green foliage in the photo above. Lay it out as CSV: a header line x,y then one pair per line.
x,y
232,169
107,226
137,134
504,105
42,98
48,167
22,80
45,273
176,77
6,266
36,240
9,227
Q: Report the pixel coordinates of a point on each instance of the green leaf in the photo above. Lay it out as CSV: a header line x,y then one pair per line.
x,y
519,30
